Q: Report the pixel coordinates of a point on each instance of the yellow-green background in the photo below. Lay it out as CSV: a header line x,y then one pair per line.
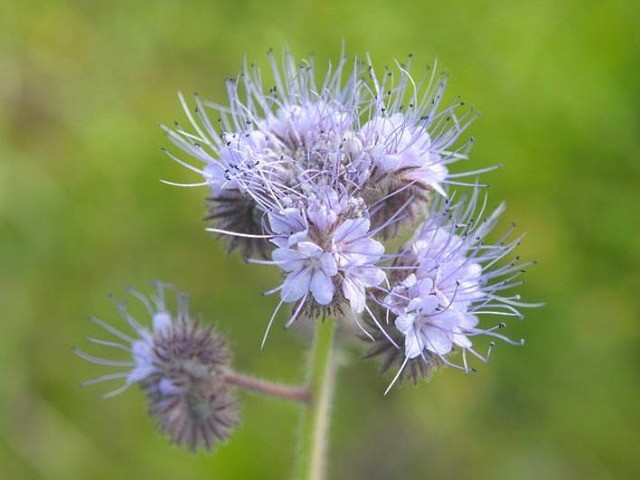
x,y
83,86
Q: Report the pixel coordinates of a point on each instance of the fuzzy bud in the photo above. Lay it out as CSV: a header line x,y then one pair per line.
x,y
181,366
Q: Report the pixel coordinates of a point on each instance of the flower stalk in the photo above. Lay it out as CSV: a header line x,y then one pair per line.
x,y
312,464
265,387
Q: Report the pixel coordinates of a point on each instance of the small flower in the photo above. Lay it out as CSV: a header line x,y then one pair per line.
x,y
403,149
357,255
309,269
181,366
327,257
325,207
383,341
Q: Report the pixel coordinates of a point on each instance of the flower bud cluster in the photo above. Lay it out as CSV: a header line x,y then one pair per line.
x,y
443,279
180,365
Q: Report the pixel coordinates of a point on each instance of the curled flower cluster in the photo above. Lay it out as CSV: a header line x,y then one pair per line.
x,y
443,279
180,365
315,177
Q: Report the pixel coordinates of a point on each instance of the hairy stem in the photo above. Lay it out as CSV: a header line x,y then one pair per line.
x,y
315,429
258,385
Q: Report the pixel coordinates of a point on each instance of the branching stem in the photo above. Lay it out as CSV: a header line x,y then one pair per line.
x,y
258,385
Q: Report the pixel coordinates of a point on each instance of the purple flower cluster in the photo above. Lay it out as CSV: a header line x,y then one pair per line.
x,y
314,177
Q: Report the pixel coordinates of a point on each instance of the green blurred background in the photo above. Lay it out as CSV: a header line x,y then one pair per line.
x,y
83,86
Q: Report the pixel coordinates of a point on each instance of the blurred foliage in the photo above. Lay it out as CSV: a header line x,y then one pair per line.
x,y
82,88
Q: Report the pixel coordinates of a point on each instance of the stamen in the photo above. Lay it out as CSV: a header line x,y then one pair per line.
x,y
104,378
237,234
395,379
102,361
273,316
110,329
298,309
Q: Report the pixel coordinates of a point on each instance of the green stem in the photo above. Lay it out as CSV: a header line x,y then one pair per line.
x,y
315,429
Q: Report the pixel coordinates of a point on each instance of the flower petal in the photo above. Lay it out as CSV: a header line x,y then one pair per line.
x,y
351,230
355,294
412,345
296,285
328,264
435,340
405,323
288,259
309,249
322,287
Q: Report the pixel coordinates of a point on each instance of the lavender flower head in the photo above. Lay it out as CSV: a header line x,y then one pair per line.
x,y
179,364
312,176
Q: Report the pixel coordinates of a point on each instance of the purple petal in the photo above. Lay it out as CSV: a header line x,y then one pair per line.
x,y
371,276
412,345
310,249
368,247
322,288
351,230
328,264
296,238
288,259
405,323
286,221
462,340
436,341
426,304
296,285
355,294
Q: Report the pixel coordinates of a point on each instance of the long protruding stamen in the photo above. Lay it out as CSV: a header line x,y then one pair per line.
x,y
268,329
397,376
238,234
102,361
297,312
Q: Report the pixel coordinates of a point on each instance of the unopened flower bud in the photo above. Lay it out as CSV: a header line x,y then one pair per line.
x,y
181,366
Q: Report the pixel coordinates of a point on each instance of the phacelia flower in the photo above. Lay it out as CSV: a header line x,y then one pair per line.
x,y
404,152
311,176
357,254
309,269
445,278
328,259
180,365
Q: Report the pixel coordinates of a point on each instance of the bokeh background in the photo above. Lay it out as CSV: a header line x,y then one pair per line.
x,y
83,86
